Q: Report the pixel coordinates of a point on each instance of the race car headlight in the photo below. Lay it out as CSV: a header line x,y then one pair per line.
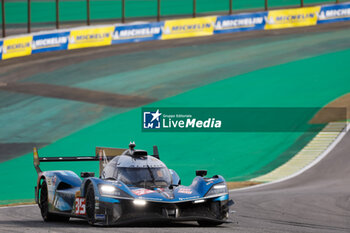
x,y
139,202
110,190
220,188
107,189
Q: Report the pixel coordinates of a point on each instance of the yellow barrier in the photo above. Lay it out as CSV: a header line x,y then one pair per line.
x,y
17,47
182,28
91,37
299,17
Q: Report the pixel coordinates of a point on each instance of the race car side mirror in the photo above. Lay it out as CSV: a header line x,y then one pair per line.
x,y
201,173
87,174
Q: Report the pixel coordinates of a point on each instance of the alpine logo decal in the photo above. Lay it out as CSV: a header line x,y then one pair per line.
x,y
140,192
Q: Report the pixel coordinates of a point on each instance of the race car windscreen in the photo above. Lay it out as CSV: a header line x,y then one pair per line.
x,y
147,172
144,177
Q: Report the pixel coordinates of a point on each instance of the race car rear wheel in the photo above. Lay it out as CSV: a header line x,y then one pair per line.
x,y
44,207
90,204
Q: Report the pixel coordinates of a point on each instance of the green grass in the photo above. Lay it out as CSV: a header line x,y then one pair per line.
x,y
238,156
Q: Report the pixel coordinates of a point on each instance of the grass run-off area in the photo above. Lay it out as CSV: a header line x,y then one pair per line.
x,y
238,156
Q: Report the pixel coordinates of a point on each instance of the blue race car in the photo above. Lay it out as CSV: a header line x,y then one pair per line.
x,y
132,186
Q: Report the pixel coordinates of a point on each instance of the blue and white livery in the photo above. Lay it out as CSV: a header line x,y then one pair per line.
x,y
133,186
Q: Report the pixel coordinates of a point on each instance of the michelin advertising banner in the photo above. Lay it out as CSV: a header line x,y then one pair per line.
x,y
334,13
171,29
90,37
137,33
50,42
1,42
241,22
17,47
298,17
183,28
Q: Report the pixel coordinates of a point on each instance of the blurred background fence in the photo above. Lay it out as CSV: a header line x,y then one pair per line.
x,y
18,16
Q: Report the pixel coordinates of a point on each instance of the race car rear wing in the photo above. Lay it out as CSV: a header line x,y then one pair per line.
x,y
102,154
38,159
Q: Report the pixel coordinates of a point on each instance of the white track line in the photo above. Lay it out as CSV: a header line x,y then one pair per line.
x,y
15,206
317,160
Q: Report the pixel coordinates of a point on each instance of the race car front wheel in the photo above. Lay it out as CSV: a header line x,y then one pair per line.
x,y
220,210
44,207
90,204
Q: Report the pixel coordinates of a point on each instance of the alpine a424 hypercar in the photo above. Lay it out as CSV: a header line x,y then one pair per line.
x,y
132,186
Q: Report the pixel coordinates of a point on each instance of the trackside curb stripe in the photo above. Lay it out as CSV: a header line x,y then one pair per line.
x,y
307,167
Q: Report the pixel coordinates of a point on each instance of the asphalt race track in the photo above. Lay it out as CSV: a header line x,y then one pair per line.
x,y
318,200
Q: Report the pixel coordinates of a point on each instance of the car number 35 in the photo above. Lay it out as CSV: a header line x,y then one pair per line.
x,y
80,206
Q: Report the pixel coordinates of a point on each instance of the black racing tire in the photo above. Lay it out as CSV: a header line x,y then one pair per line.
x,y
221,212
209,223
44,207
90,204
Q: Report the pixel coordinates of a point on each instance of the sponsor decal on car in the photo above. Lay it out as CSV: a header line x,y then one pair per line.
x,y
140,192
100,216
185,191
188,198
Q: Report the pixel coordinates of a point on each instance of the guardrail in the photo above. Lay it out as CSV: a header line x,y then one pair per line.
x,y
94,36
